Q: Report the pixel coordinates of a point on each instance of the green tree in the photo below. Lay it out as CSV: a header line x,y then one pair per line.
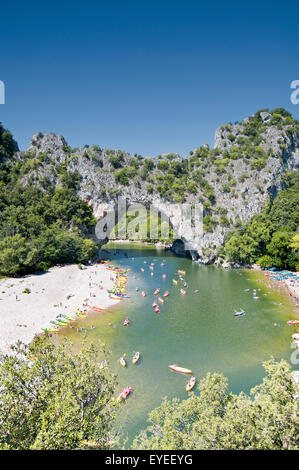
x,y
53,398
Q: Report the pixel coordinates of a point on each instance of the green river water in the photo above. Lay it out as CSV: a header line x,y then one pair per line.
x,y
197,331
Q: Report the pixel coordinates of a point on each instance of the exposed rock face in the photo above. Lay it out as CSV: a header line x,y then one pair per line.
x,y
241,184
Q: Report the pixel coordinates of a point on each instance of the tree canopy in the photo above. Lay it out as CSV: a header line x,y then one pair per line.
x,y
270,238
54,398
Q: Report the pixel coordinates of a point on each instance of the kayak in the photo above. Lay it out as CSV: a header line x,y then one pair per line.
x,y
238,314
154,305
122,361
181,272
50,330
157,309
126,322
125,393
136,357
115,297
63,321
96,309
190,384
81,314
143,293
156,291
181,370
164,276
161,300
68,318
174,281
166,294
183,292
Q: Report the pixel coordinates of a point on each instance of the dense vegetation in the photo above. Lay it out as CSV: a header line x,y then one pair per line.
x,y
40,226
220,420
174,178
270,238
53,398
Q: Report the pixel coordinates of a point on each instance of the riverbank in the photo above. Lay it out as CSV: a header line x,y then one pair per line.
x,y
29,303
290,285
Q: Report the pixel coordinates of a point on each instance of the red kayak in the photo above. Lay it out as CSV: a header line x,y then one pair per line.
x,y
126,322
125,393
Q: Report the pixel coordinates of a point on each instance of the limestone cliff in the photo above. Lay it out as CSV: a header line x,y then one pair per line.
x,y
232,181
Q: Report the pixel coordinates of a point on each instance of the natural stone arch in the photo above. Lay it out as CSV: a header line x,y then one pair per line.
x,y
109,214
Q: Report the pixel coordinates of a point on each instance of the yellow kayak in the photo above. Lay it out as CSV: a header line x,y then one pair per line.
x,y
174,281
122,361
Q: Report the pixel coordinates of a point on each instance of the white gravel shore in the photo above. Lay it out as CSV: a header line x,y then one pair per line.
x,y
23,315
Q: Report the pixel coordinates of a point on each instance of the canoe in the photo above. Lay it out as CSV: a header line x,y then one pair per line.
x,y
190,384
50,330
136,357
238,314
122,361
96,309
115,297
125,393
68,318
63,321
179,369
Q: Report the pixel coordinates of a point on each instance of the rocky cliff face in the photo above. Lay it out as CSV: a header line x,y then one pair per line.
x,y
232,181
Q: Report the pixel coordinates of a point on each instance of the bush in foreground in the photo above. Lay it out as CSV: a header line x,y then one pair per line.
x,y
53,398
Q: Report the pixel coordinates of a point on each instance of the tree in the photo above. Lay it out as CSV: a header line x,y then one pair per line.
x,y
295,242
269,419
279,249
53,398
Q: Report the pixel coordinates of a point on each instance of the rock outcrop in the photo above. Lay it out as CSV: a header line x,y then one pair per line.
x,y
233,181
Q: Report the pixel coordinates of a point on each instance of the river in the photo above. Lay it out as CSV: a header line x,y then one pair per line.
x,y
198,331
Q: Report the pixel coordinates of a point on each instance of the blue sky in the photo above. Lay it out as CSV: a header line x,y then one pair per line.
x,y
146,77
